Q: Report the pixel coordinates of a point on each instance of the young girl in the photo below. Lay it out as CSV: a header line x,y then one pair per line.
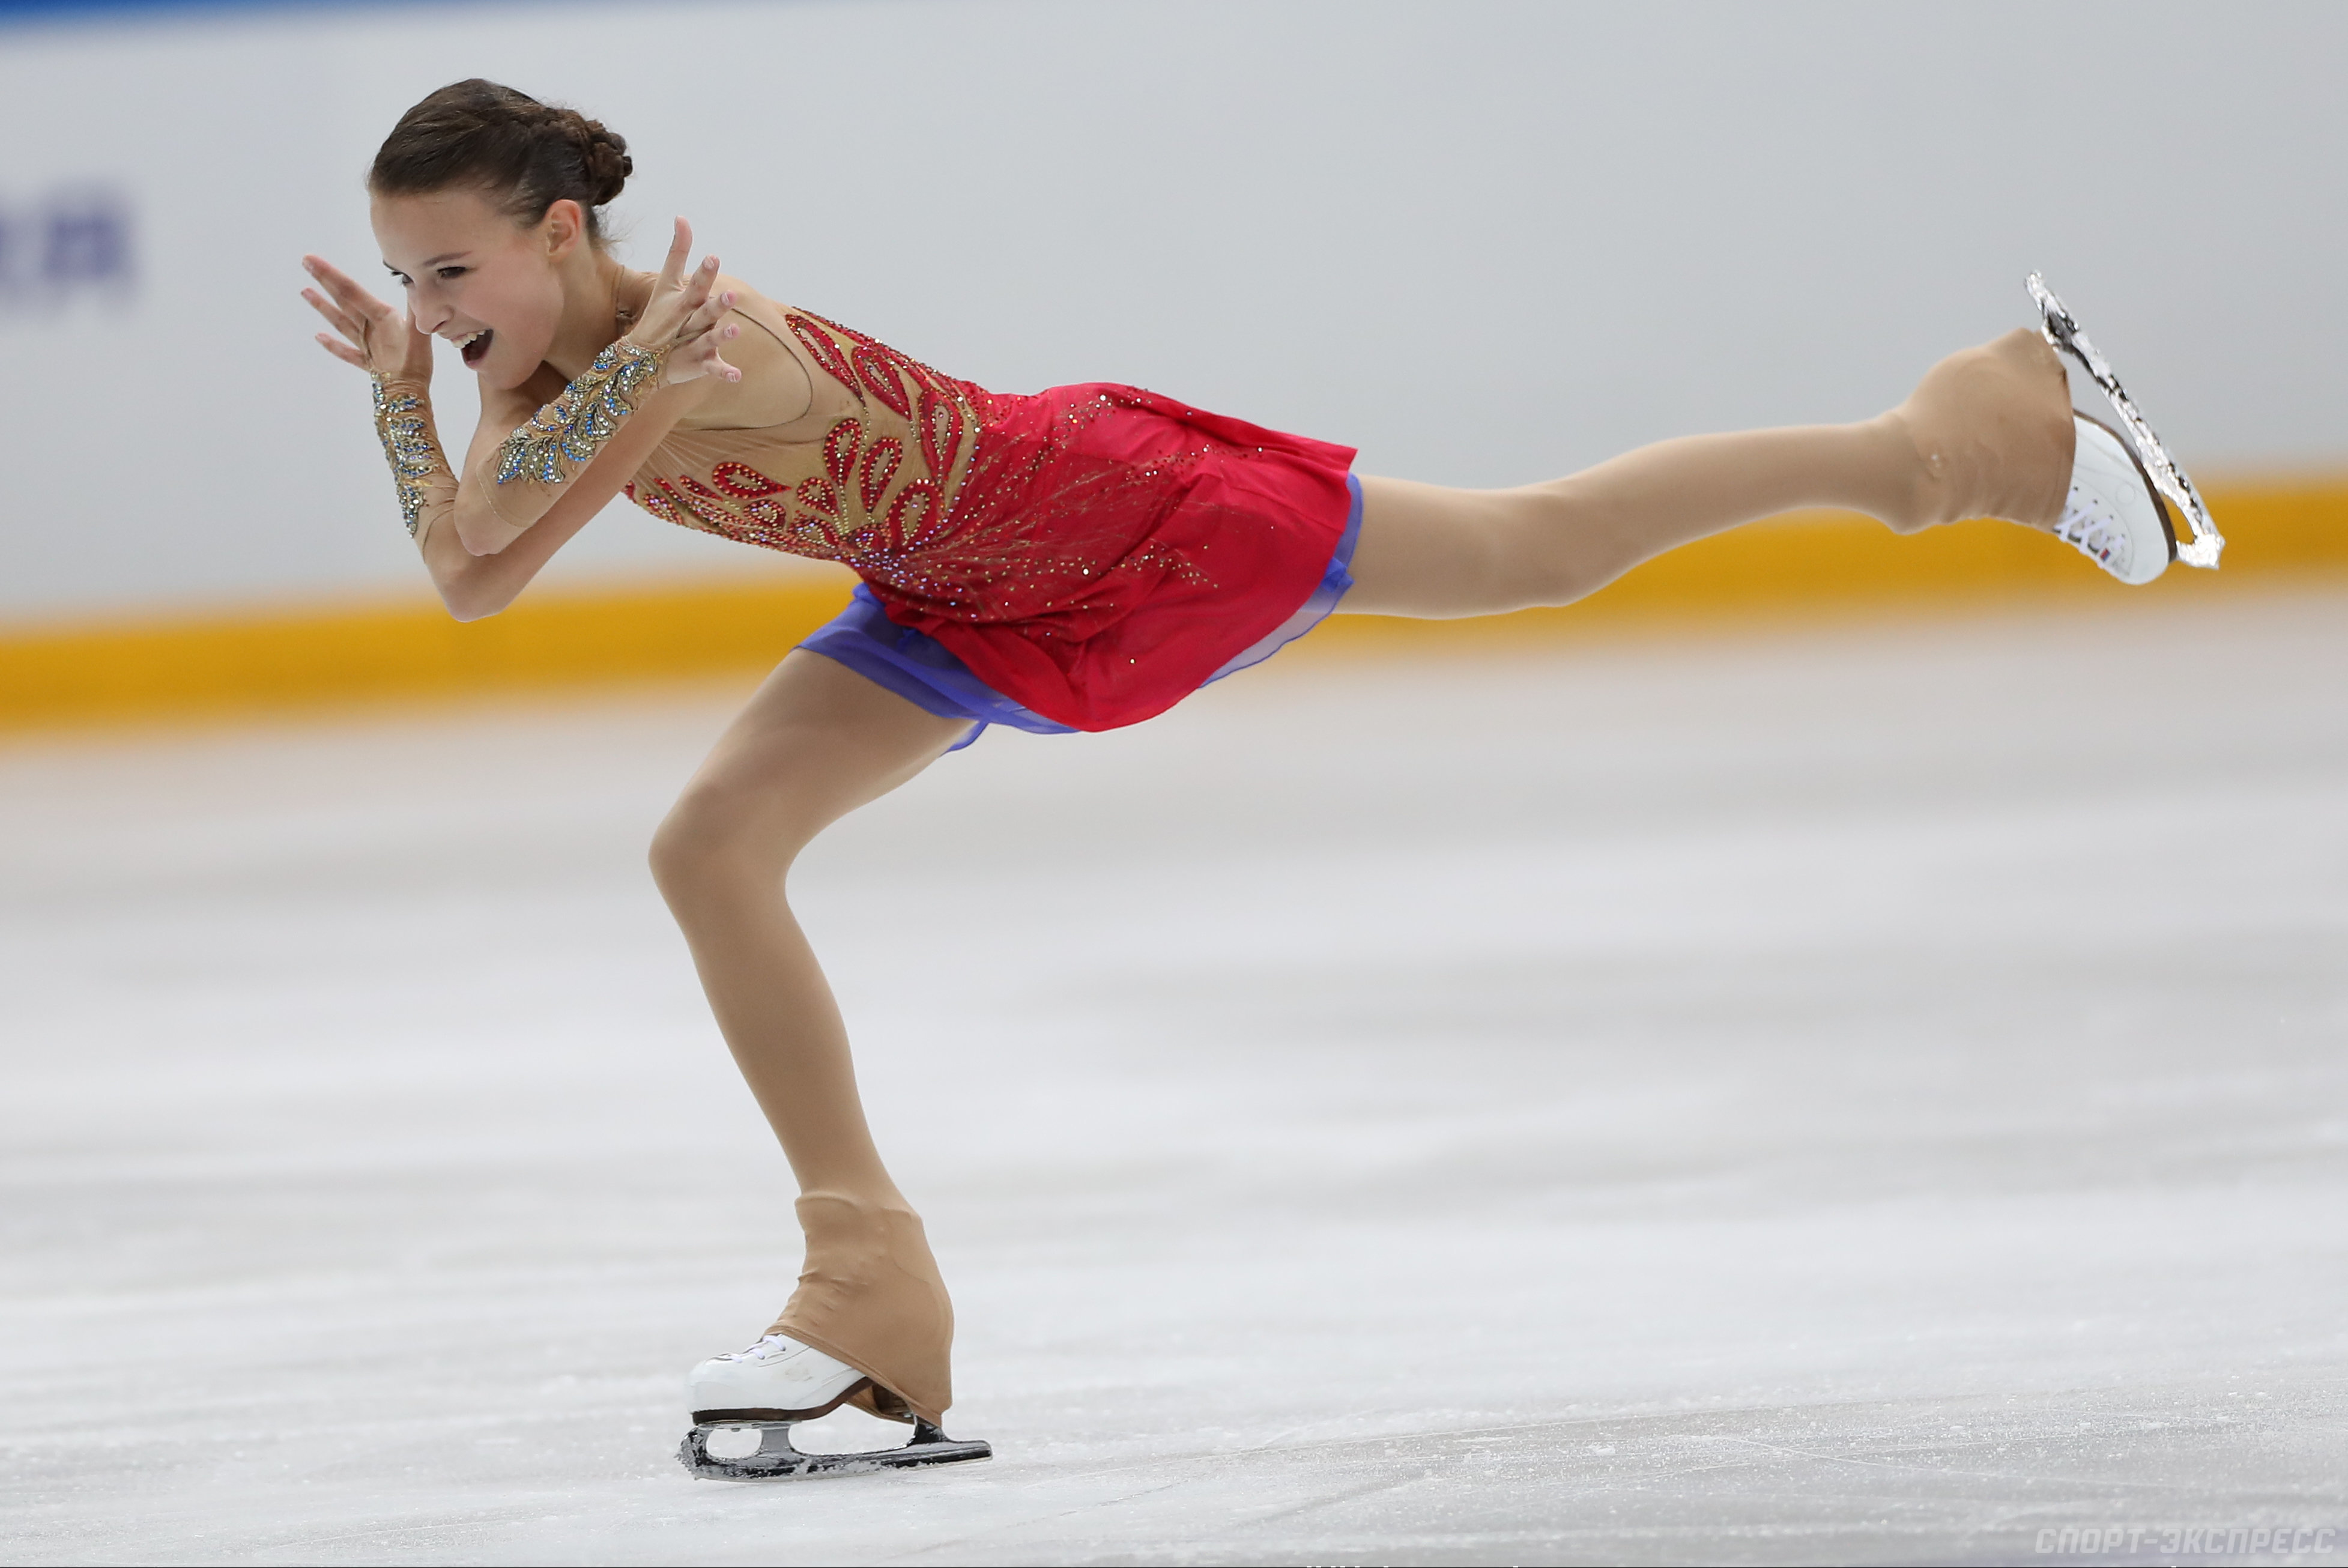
x,y
1079,559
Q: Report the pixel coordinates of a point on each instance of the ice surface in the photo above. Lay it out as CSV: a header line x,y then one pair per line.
x,y
1745,1101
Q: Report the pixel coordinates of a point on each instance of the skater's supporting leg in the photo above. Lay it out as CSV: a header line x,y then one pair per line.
x,y
1987,434
815,742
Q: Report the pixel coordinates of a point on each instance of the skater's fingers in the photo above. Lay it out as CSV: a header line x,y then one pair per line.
x,y
346,289
677,319
353,327
680,250
328,274
342,351
706,315
693,293
336,317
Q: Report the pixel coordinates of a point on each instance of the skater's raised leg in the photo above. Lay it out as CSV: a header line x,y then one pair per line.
x,y
1989,432
815,742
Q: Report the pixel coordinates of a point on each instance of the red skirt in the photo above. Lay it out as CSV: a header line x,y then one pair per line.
x,y
1110,549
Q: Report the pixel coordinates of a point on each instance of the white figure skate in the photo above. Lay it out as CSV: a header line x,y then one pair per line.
x,y
2110,510
773,1386
2113,516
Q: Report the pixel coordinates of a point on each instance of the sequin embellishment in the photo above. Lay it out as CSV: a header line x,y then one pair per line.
x,y
402,426
568,432
871,492
1092,552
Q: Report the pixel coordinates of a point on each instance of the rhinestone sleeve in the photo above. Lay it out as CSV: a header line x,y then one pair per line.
x,y
564,437
402,422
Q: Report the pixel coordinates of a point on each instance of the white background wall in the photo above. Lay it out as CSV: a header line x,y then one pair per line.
x,y
1484,242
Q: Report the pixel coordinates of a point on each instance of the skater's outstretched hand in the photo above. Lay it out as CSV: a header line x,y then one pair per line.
x,y
682,318
377,338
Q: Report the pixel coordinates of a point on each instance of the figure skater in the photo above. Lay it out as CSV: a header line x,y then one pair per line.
x,y
1079,559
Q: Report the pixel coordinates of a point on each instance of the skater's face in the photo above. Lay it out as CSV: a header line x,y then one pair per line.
x,y
476,277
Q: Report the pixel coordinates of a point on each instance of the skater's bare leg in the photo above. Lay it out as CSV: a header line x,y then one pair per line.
x,y
815,742
1988,433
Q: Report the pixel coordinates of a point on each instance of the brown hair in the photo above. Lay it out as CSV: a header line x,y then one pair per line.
x,y
523,153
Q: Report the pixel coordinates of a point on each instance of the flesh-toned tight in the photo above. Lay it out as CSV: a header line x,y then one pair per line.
x,y
1988,433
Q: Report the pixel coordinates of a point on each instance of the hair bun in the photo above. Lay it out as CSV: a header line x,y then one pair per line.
x,y
603,154
522,154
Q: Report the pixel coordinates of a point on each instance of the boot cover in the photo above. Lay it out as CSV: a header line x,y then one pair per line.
x,y
1992,426
870,1295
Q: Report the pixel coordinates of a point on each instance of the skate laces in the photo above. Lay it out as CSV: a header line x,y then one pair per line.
x,y
766,1348
2089,527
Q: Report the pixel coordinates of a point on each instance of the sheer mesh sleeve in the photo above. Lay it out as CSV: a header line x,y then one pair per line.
x,y
564,436
420,475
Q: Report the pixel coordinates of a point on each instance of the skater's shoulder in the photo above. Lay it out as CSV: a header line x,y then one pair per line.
x,y
776,390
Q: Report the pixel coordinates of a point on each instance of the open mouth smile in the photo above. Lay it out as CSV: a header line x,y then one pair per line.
x,y
476,346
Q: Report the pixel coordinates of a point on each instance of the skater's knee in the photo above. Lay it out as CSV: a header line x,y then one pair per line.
x,y
718,835
685,847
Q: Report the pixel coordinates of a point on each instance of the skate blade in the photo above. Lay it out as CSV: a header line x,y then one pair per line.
x,y
2167,477
776,1459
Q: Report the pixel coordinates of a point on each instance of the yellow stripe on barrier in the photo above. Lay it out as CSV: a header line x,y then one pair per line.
x,y
211,664
1806,564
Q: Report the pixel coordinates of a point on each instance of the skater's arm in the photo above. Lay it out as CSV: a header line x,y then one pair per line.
x,y
546,458
476,585
668,358
431,497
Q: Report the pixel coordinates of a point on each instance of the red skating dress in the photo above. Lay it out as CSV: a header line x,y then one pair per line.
x,y
1092,554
